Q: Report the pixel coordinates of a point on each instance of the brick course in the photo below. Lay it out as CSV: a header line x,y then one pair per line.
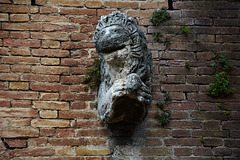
x,y
46,112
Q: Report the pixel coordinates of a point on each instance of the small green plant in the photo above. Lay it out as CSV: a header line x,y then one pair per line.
x,y
163,118
185,30
219,106
96,105
196,41
220,87
157,36
228,114
92,76
187,65
202,140
160,16
160,105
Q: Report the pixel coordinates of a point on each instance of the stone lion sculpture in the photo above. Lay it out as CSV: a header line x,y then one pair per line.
x,y
124,94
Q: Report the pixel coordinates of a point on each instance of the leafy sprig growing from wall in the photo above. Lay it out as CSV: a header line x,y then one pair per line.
x,y
92,75
160,16
220,87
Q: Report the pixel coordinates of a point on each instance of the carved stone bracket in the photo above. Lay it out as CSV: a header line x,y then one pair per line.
x,y
124,94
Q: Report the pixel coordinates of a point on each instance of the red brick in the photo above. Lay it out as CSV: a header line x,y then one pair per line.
x,y
77,45
161,151
184,124
179,115
60,28
47,132
37,142
77,114
5,104
49,96
19,17
21,26
18,113
77,62
212,142
182,141
222,151
19,133
183,88
79,105
153,142
86,28
80,20
21,68
202,151
203,133
48,87
78,71
4,34
14,8
139,13
88,123
182,151
232,143
51,105
80,54
50,53
40,78
231,125
92,132
20,60
78,11
3,17
201,115
181,133
20,51
21,104
4,68
75,3
79,36
102,12
158,133
48,18
50,35
4,51
177,95
113,4
16,143
50,70
72,79
4,123
48,10
67,141
65,132
9,76
50,44
22,43
229,30
32,152
211,125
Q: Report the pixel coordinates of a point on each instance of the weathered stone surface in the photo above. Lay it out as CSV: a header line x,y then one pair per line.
x,y
126,70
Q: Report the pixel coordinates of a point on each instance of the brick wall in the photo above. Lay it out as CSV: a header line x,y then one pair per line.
x,y
47,113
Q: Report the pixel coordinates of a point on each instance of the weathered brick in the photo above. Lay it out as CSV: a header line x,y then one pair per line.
x,y
4,34
18,113
179,115
21,68
21,26
113,4
19,17
75,3
32,152
48,87
60,28
18,95
182,141
211,125
50,70
78,105
163,151
231,125
84,151
77,114
20,60
48,18
40,78
64,151
49,96
4,68
16,143
18,85
102,12
212,142
72,79
77,45
37,142
67,141
4,123
50,61
222,151
50,35
19,133
22,43
48,114
92,132
79,20
50,53
153,142
20,123
200,115
80,36
232,143
14,8
77,62
5,104
139,13
202,151
4,51
78,11
184,124
50,44
20,51
47,132
53,105
153,5
81,97
182,151
80,53
93,3
3,17
48,10
181,133
50,123
9,76
87,123
203,133
65,132
21,104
